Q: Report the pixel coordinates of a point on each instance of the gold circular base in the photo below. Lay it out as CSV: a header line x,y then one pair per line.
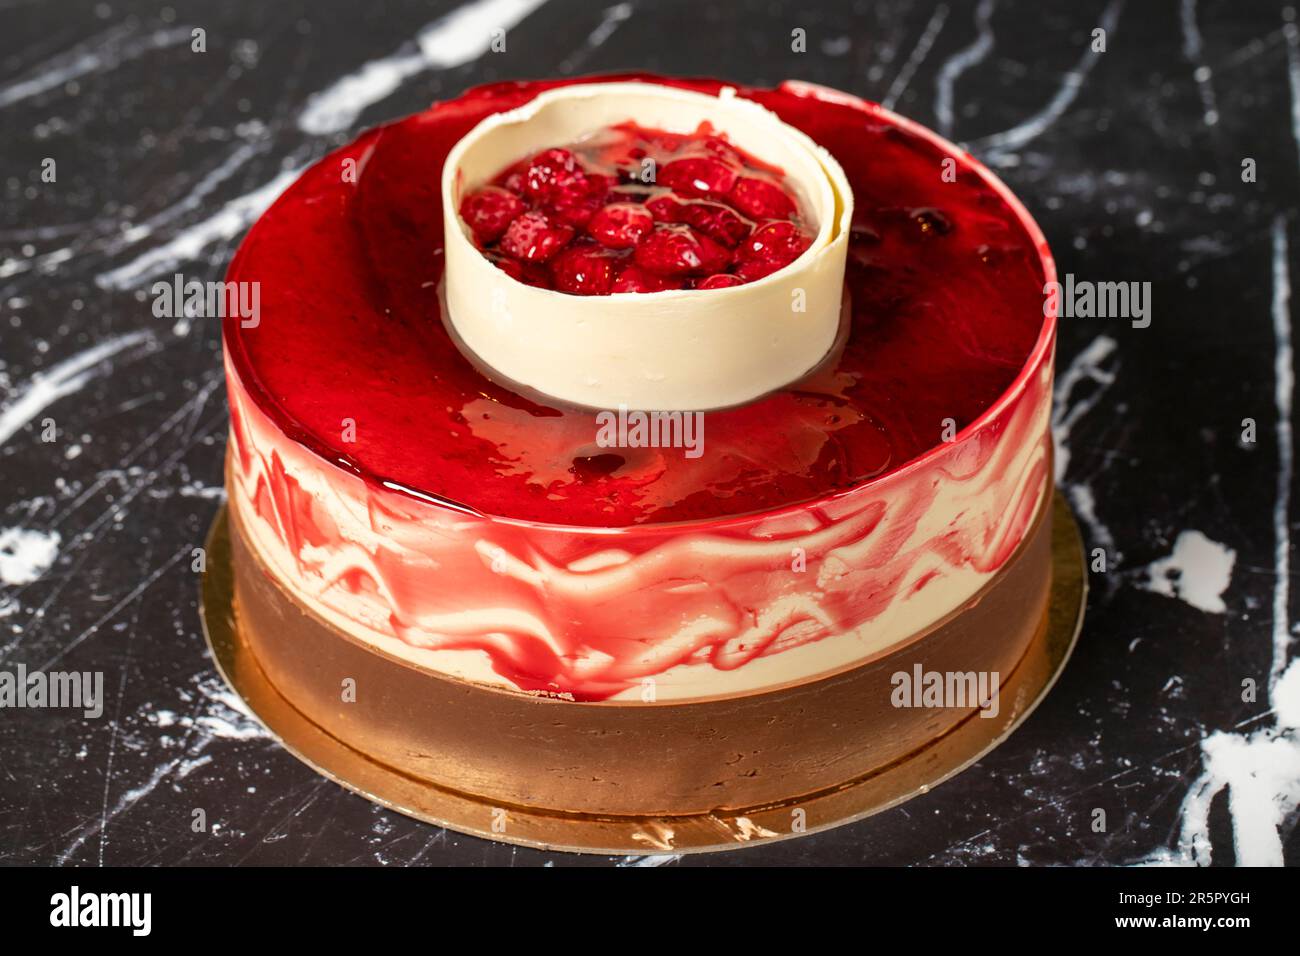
x,y
915,774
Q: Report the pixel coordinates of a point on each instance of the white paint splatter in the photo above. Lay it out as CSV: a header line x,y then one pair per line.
x,y
463,35
219,715
959,63
48,386
227,717
229,221
26,554
1259,771
1198,571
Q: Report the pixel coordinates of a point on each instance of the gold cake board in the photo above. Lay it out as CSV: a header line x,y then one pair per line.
x,y
944,757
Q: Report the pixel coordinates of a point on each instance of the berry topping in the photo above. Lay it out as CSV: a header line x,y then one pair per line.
x,y
698,176
635,279
585,269
620,225
488,212
575,204
665,208
773,246
551,173
717,222
722,280
759,199
534,238
676,250
587,220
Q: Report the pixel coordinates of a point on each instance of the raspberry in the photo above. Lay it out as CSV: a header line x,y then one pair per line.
x,y
720,147
579,219
551,172
584,269
620,225
760,199
698,176
665,208
673,250
575,203
534,238
489,211
773,246
716,221
635,279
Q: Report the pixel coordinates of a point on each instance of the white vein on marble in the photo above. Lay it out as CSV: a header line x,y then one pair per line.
x,y
186,245
1259,771
916,58
1291,33
217,714
70,375
1023,133
964,59
1089,374
1202,74
115,48
1283,393
610,21
461,36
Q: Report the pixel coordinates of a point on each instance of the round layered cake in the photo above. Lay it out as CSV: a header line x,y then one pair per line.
x,y
612,446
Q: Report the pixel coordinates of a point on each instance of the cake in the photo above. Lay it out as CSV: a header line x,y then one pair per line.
x,y
610,446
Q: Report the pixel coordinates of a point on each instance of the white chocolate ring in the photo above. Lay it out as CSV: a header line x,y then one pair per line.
x,y
674,350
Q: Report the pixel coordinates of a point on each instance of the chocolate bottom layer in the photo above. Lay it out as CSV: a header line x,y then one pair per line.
x,y
637,758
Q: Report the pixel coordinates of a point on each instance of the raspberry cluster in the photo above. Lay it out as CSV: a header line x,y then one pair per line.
x,y
632,209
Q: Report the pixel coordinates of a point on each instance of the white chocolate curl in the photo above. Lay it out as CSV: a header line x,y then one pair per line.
x,y
674,350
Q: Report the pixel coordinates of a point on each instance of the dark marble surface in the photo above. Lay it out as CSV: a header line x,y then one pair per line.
x,y
1131,159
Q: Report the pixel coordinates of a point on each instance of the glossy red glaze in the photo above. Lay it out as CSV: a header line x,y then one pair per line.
x,y
942,321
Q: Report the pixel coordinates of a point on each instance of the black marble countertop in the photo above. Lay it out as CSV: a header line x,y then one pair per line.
x,y
1131,158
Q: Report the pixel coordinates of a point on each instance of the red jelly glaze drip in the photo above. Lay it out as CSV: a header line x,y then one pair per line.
x,y
945,286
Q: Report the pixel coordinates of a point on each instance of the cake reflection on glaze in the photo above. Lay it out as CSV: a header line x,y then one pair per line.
x,y
467,530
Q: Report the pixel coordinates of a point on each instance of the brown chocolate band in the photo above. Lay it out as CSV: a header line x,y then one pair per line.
x,y
613,758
